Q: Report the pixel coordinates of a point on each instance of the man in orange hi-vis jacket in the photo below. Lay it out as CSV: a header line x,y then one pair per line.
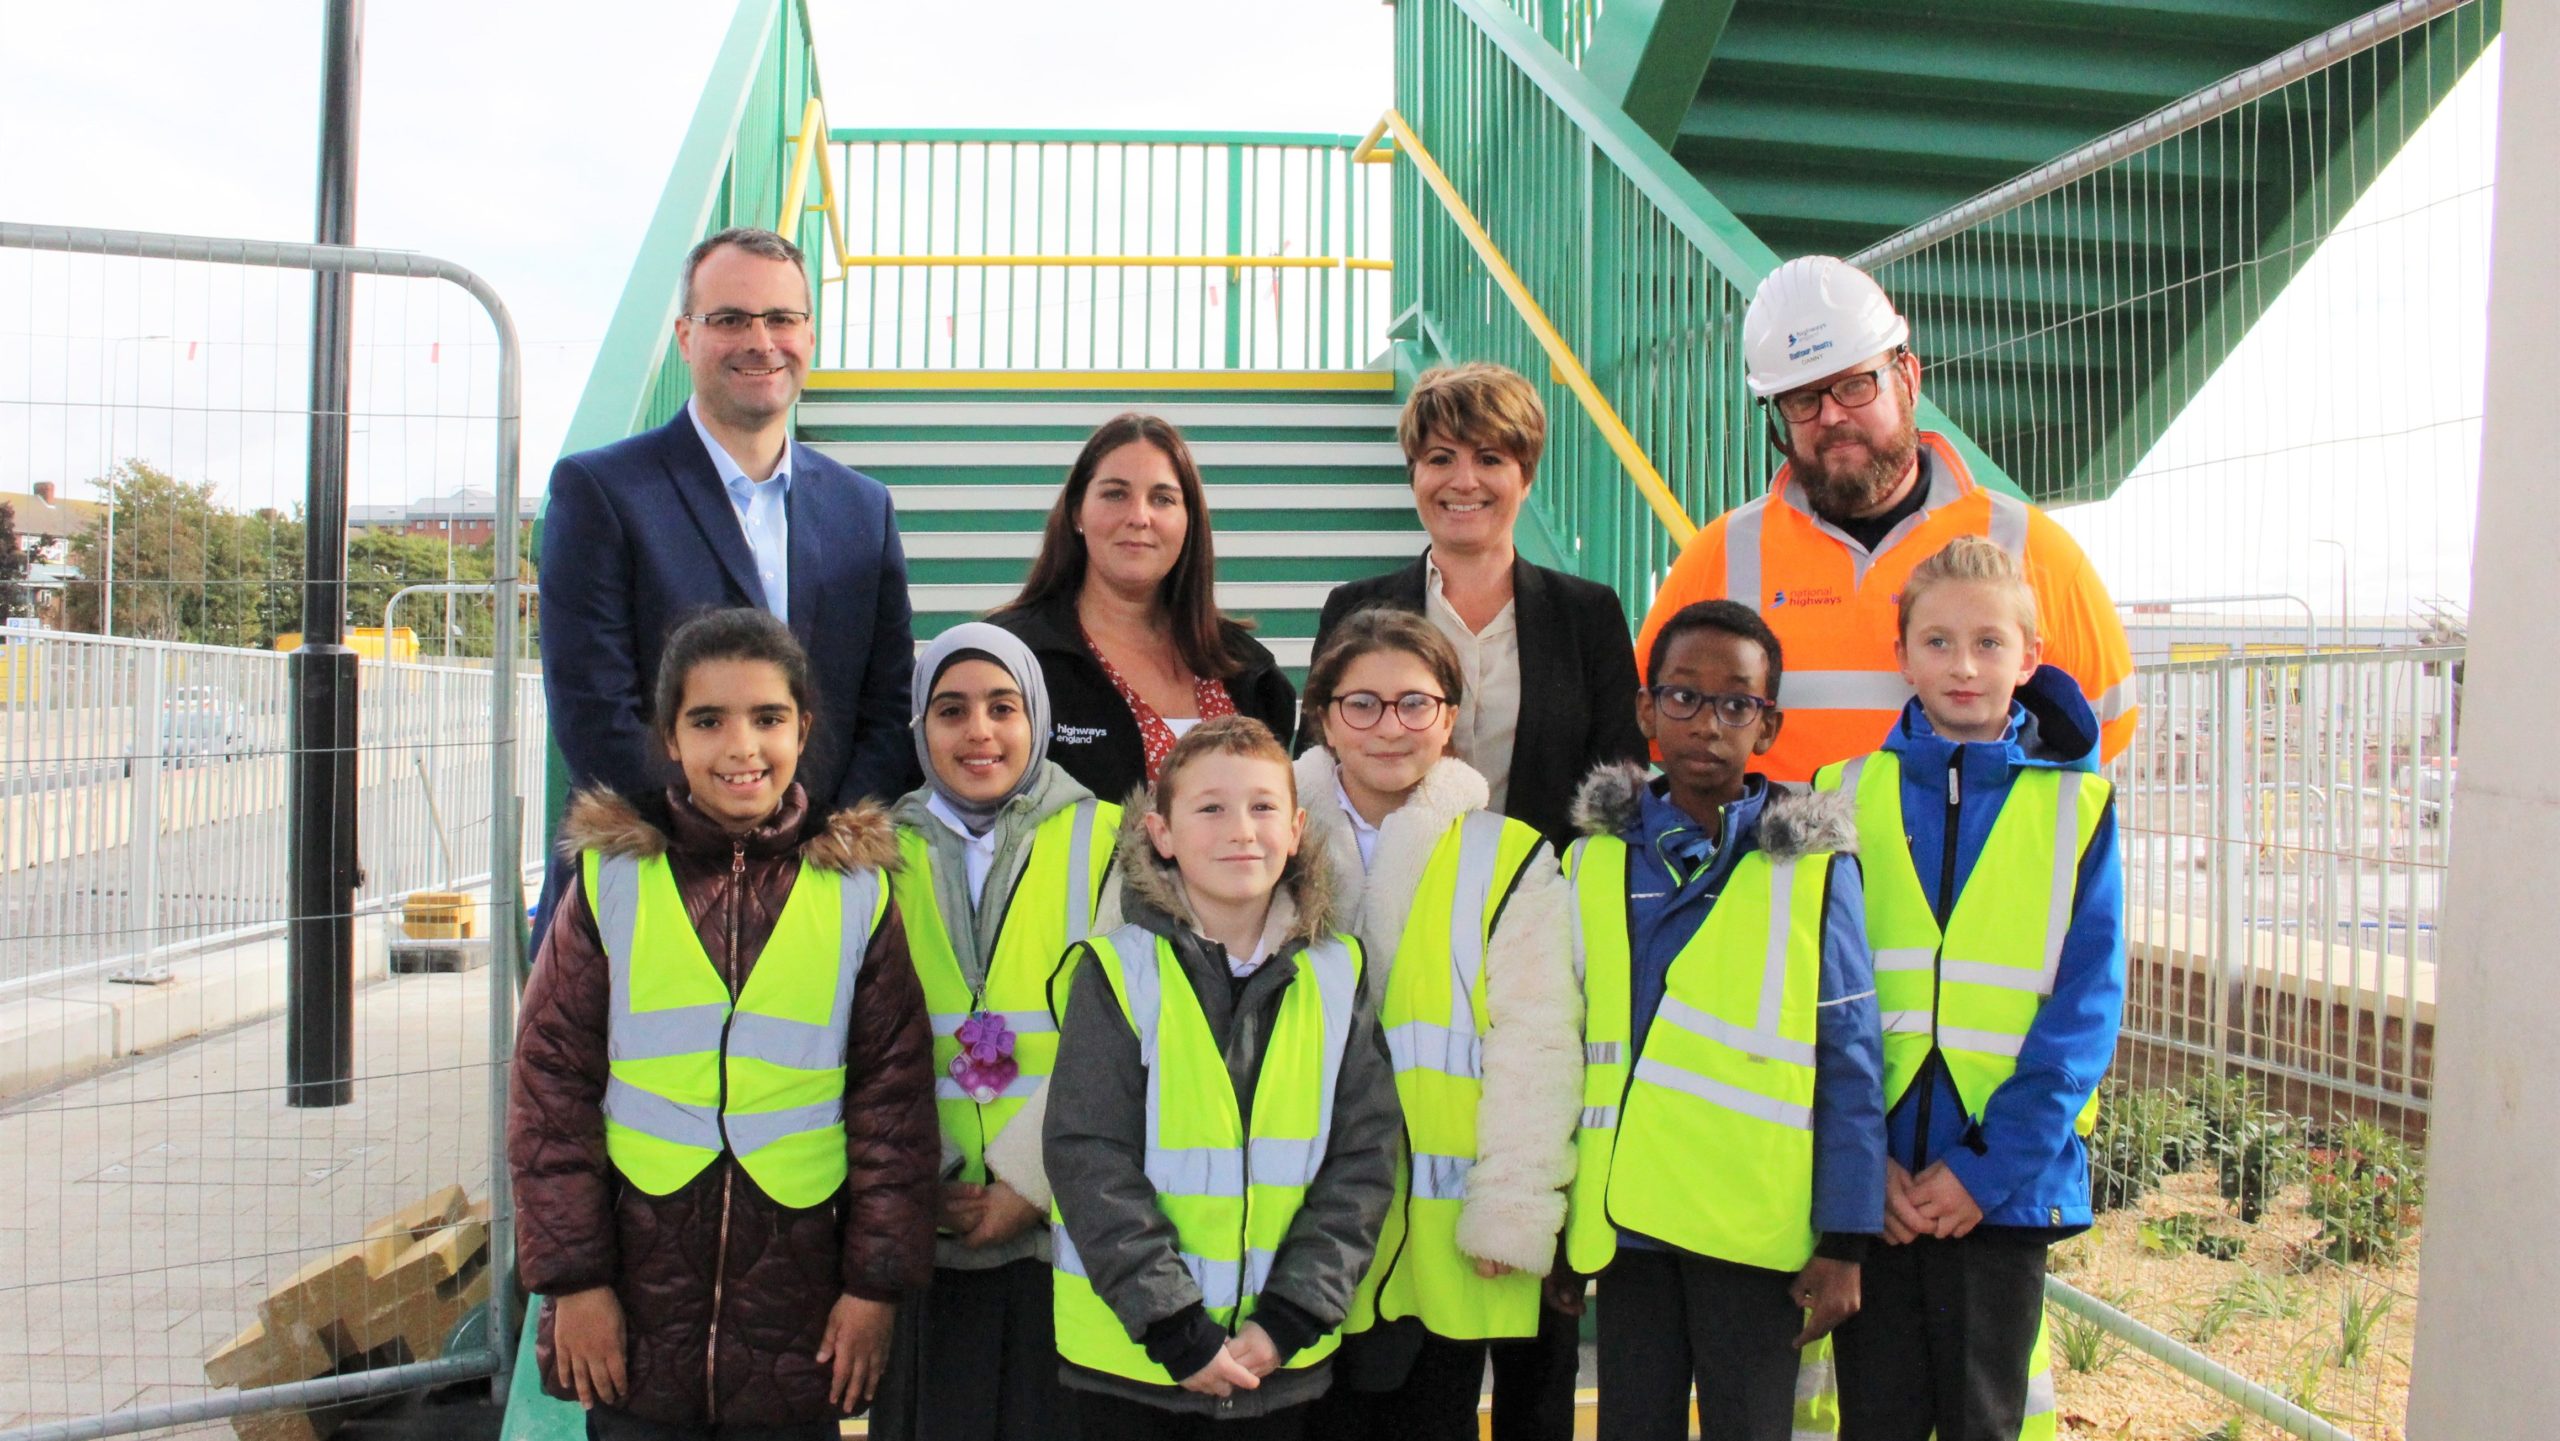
x,y
1864,497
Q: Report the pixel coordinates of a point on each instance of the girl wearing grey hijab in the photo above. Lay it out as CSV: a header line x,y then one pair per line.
x,y
976,1352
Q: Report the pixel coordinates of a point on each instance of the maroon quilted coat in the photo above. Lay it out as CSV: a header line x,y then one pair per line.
x,y
719,1249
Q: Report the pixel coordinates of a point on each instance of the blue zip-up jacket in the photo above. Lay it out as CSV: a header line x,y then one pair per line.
x,y
2025,1165
1669,898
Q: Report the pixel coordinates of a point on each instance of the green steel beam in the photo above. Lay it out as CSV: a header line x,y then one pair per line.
x,y
869,135
1650,55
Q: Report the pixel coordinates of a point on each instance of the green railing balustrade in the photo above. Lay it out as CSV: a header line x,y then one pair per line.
x,y
1644,274
1105,250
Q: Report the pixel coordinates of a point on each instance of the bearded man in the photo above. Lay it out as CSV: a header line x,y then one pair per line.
x,y
1863,498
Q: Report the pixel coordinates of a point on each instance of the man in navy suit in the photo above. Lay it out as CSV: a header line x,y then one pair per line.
x,y
720,507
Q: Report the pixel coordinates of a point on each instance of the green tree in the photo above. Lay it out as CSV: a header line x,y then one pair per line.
x,y
380,563
13,564
169,561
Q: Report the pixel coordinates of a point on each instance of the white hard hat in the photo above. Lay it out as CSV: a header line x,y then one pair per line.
x,y
1814,316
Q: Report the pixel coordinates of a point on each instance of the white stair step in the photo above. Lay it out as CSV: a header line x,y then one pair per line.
x,y
1377,495
1242,597
1059,454
1237,544
1289,650
1188,415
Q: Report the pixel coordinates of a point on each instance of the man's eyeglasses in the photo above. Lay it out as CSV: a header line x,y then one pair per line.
x,y
1680,703
1854,392
1415,710
735,322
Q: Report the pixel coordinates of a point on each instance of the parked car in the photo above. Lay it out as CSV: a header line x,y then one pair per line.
x,y
202,720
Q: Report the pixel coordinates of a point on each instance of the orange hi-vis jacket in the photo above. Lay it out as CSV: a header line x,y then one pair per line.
x,y
1833,606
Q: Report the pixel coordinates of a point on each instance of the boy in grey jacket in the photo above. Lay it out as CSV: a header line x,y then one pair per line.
x,y
1176,1354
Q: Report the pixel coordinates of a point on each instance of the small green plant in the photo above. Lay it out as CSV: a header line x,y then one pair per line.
x,y
2257,1153
2300,1380
2365,1190
2083,1344
2361,1309
2234,1429
2133,1130
2208,1324
2192,1231
2268,1295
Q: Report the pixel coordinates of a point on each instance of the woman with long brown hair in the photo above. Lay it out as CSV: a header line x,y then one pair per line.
x,y
1121,608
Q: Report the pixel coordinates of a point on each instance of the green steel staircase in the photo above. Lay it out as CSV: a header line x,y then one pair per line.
x,y
1304,479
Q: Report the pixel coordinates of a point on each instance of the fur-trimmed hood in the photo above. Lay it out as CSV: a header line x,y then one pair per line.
x,y
1149,884
1375,900
855,838
1792,823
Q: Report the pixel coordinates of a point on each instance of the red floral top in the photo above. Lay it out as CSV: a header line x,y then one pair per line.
x,y
1154,736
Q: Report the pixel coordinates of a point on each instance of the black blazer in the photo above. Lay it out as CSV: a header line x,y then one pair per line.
x,y
1577,680
1092,735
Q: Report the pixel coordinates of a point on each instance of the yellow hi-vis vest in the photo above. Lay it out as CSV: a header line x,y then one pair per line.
x,y
1050,909
1715,1117
693,1072
1972,992
1436,1017
1230,1189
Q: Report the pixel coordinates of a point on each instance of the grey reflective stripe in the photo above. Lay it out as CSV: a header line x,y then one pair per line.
x,y
1601,1053
1195,1171
1907,1023
654,1115
641,1035
1479,849
1021,1023
1988,1043
1725,1033
1773,967
1850,771
1441,1178
861,897
1080,905
1996,976
1813,1379
1257,1269
1134,948
2117,700
2040,1391
2066,875
797,1045
1842,690
1219,1281
1904,958
1422,1046
2008,523
1064,1253
752,1131
1279,1161
1742,551
1339,978
654,1035
1020,1088
1575,855
1599,1118
1725,1097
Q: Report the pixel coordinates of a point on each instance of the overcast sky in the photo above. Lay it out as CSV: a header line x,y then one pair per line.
x,y
527,139
530,140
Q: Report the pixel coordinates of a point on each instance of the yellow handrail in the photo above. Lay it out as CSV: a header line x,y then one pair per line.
x,y
1568,367
808,149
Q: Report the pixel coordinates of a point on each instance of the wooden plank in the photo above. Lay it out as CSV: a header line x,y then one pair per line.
x,y
318,1294
261,1356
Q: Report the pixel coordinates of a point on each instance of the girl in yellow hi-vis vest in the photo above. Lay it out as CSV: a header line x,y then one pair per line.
x,y
1995,903
1221,1134
721,1125
1005,862
1468,931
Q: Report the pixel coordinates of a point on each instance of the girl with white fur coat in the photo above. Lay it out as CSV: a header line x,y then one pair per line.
x,y
1405,824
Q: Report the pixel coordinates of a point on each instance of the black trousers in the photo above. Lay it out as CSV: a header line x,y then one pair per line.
x,y
607,1424
1668,1320
1435,1394
1942,1339
976,1359
1120,1419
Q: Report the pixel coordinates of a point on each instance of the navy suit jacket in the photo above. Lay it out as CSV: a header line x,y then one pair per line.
x,y
640,536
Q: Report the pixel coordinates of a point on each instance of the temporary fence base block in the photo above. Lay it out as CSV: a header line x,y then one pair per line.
x,y
411,957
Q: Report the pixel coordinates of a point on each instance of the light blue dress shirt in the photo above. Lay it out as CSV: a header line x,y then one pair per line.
x,y
763,508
